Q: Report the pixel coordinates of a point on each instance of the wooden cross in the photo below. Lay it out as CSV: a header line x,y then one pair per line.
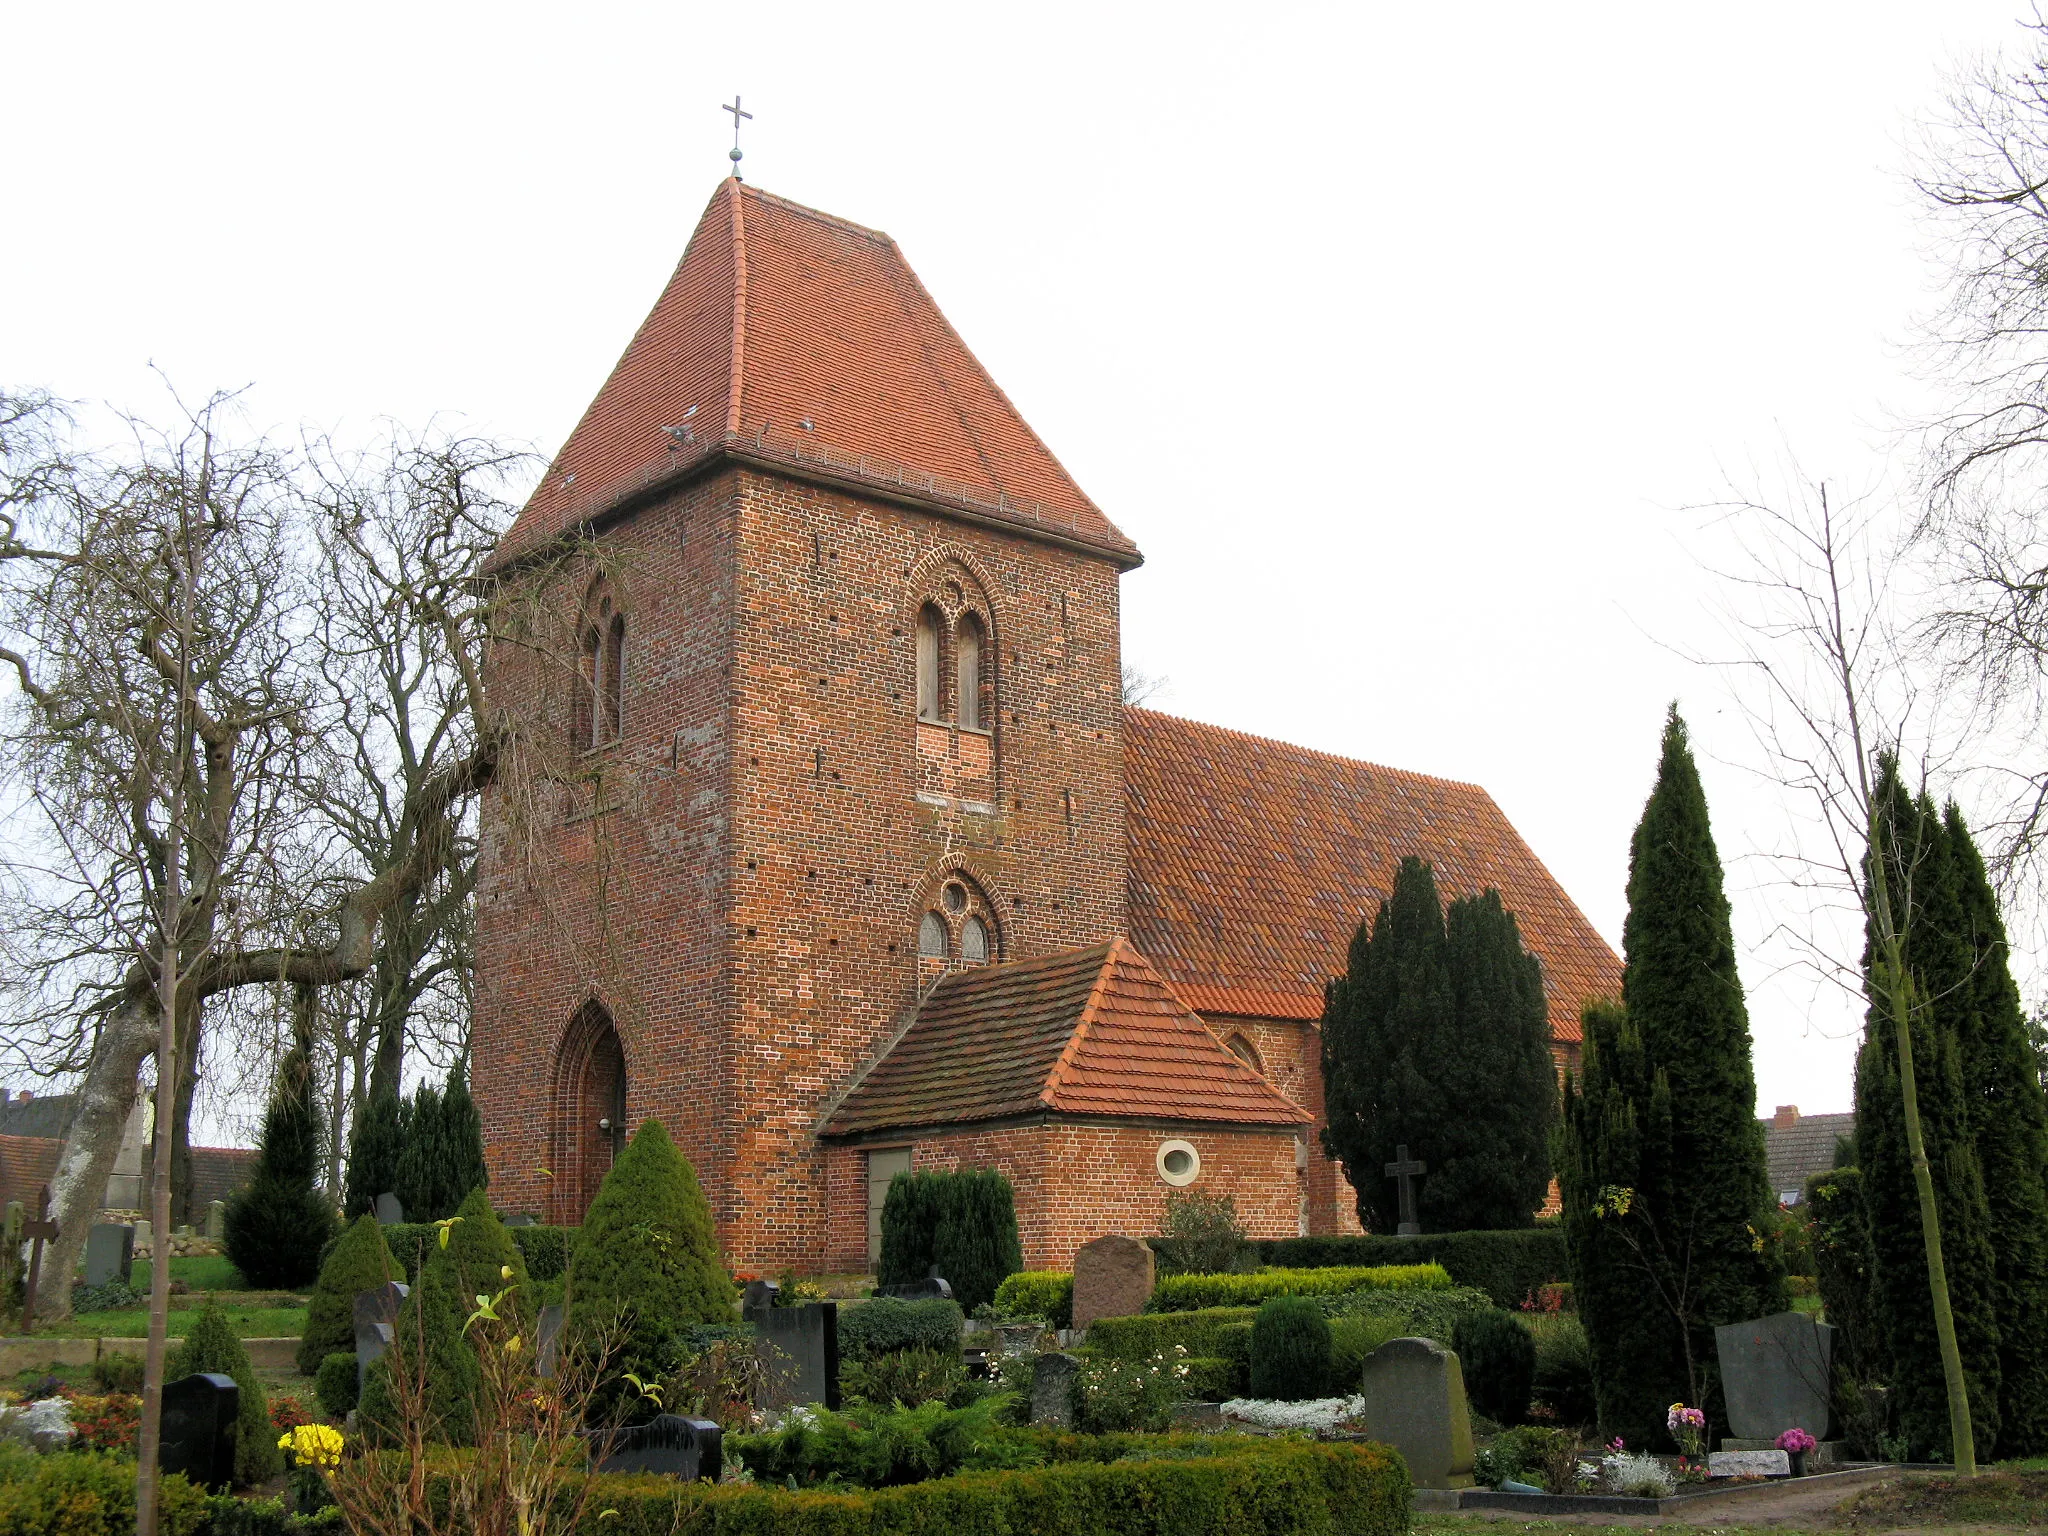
x,y
39,1231
734,108
1404,1170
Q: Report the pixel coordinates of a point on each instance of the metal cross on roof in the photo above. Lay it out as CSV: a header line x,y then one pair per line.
x,y
734,108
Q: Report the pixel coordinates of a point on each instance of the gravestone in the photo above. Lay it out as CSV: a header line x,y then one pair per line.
x,y
1404,1171
669,1445
1749,1464
1775,1374
520,1219
1414,1395
931,1288
758,1296
799,1354
1052,1389
547,1339
376,1316
390,1212
144,1242
109,1253
1113,1277
200,1414
216,1219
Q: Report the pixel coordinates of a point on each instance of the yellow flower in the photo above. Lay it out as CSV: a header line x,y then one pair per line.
x,y
504,1271
313,1445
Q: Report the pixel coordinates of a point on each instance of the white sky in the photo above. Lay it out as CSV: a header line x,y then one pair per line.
x,y
1400,342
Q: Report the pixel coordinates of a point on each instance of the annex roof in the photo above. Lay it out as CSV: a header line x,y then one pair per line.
x,y
1797,1150
1252,862
1090,1032
798,340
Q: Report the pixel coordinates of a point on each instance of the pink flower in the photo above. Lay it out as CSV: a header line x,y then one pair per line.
x,y
1617,1445
1795,1439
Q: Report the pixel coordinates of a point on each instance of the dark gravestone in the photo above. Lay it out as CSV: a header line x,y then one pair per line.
x,y
520,1219
799,1354
1774,1371
670,1445
547,1340
758,1296
199,1418
109,1253
390,1211
1053,1381
376,1317
931,1288
1405,1170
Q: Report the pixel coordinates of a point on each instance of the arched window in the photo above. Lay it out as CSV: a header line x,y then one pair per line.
x,y
615,679
601,677
1247,1053
957,925
933,942
585,725
967,659
928,622
974,941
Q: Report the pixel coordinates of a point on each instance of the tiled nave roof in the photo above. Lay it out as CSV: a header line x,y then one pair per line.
x,y
1252,861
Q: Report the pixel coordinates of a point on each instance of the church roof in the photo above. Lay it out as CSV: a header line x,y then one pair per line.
x,y
790,338
1252,861
1092,1032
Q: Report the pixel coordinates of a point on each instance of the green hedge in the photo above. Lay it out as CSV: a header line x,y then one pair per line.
x,y
1187,1293
1205,1332
1039,1293
1222,1485
1508,1266
87,1493
885,1325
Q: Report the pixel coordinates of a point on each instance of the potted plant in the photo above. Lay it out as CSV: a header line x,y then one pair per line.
x,y
1796,1442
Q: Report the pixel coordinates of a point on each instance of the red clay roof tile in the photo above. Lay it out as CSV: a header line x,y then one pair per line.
x,y
1252,861
791,336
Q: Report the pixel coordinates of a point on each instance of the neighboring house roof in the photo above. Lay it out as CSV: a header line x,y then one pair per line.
x,y
27,1163
1798,1146
790,337
1252,862
44,1115
218,1172
1091,1032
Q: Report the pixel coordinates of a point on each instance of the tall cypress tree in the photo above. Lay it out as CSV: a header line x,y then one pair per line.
x,y
375,1145
1496,1169
463,1132
2009,1128
276,1225
1926,898
1695,1220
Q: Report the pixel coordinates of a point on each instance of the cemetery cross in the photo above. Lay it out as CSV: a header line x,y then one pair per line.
x,y
41,1230
1404,1170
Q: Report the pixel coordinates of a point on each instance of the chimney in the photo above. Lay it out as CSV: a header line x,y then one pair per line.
x,y
1786,1117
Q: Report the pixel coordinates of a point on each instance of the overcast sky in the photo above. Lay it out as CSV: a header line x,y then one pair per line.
x,y
1401,341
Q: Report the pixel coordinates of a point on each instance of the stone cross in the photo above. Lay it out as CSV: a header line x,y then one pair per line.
x,y
1404,1170
41,1230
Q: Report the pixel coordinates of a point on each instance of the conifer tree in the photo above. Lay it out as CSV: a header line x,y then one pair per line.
x,y
2009,1128
376,1144
910,1226
275,1226
463,1130
962,1222
1437,1038
212,1346
358,1262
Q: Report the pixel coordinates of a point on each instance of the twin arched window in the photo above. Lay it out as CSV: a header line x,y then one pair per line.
x,y
601,683
964,702
958,929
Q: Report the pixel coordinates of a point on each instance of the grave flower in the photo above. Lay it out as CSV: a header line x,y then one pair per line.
x,y
1796,1440
1688,1427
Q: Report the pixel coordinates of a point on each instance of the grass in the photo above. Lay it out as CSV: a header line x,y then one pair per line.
x,y
1999,1497
203,1272
133,1323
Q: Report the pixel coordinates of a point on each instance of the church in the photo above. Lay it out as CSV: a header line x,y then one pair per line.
x,y
858,861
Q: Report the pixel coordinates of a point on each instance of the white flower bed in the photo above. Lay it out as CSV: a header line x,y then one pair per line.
x,y
1316,1413
1641,1477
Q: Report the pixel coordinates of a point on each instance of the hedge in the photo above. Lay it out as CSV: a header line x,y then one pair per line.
x,y
886,1324
1186,1293
1228,1486
545,1249
1212,1331
1508,1266
1045,1293
87,1493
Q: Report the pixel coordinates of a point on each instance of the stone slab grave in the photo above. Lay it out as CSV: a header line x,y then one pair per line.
x,y
1772,1463
376,1315
1052,1389
109,1253
1414,1393
670,1446
1775,1375
200,1415
547,1339
799,1349
931,1288
1113,1277
217,1219
390,1211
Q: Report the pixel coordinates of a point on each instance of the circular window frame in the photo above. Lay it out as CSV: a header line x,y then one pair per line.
x,y
1188,1176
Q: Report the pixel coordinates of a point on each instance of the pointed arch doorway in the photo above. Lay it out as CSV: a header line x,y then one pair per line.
x,y
590,1110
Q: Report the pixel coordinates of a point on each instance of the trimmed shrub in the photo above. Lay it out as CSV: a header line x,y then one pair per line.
x,y
88,1493
1498,1358
1509,1266
1187,1293
480,1250
1563,1383
1203,1234
1153,1333
1353,1338
1290,1349
356,1261
545,1249
910,1221
212,1346
647,1246
335,1384
276,1226
885,1324
886,1448
1212,1380
432,1318
904,1377
1047,1293
963,1222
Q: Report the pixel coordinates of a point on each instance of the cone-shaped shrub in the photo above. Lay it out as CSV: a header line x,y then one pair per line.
x,y
358,1262
480,1250
375,1146
647,1250
212,1346
910,1224
1290,1349
1498,1358
275,1227
963,1222
431,1318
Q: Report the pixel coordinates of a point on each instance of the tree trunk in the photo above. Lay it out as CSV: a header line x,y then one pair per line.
x,y
105,1098
181,1117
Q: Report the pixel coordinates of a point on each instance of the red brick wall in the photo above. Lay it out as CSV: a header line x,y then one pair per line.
x,y
1290,1054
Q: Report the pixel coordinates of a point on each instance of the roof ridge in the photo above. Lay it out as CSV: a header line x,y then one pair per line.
x,y
739,311
836,221
1295,746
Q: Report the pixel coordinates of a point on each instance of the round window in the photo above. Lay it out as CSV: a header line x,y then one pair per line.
x,y
1179,1163
956,898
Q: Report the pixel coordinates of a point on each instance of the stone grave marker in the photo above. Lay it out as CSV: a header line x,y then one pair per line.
x,y
1749,1464
200,1414
1113,1277
520,1219
390,1211
376,1315
931,1288
799,1354
669,1445
109,1253
758,1296
1414,1395
145,1242
216,1219
547,1338
1775,1372
1052,1389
